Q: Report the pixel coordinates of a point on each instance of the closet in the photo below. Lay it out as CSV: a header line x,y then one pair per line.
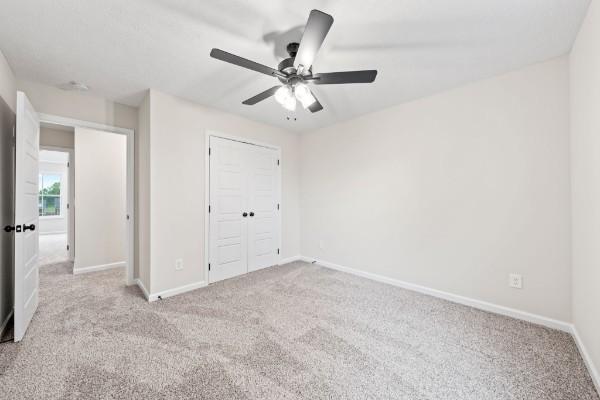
x,y
244,208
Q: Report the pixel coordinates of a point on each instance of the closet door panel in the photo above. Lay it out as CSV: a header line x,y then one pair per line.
x,y
263,235
228,230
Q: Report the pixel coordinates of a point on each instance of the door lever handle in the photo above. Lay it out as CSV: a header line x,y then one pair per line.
x,y
252,213
10,228
30,227
245,214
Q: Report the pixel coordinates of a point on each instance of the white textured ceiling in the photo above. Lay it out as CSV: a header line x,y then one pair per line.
x,y
120,48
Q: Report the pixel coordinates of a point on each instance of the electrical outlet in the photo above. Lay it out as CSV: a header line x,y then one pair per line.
x,y
178,264
515,281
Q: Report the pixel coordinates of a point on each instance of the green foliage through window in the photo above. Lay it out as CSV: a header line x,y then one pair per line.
x,y
49,195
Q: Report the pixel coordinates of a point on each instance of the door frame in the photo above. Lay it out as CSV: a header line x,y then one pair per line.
x,y
70,195
130,134
208,135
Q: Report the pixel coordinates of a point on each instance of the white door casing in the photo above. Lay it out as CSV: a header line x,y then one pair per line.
x,y
243,178
26,215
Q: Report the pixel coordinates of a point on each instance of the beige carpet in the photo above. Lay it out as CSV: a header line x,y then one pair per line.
x,y
297,331
53,249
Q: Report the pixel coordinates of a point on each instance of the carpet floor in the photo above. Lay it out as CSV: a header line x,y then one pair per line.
x,y
53,249
296,331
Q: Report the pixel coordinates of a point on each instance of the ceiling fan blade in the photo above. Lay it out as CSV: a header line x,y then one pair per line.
x,y
316,106
314,34
261,96
244,63
332,78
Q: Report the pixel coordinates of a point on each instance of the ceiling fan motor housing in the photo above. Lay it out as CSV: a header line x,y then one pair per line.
x,y
287,67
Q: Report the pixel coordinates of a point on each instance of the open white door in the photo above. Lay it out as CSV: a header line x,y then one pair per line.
x,y
26,215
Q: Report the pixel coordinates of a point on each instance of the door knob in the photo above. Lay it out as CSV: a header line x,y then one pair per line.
x,y
30,227
252,213
245,214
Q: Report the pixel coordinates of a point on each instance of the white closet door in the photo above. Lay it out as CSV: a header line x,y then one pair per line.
x,y
263,193
228,230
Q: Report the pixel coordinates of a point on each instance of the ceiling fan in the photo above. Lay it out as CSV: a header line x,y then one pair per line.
x,y
295,72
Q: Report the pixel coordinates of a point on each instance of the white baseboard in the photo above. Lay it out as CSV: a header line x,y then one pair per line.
x,y
5,322
479,304
175,291
289,260
143,288
193,286
100,267
586,358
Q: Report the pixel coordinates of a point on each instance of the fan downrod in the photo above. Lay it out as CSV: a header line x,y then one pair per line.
x,y
292,49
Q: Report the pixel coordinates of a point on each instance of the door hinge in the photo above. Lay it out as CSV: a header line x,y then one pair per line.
x,y
68,164
209,266
209,208
67,247
67,206
277,162
278,206
277,251
209,151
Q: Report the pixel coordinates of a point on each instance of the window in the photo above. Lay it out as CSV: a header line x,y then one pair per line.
x,y
49,198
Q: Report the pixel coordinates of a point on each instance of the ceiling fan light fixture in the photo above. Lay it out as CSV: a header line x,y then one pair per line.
x,y
290,104
285,96
296,71
304,95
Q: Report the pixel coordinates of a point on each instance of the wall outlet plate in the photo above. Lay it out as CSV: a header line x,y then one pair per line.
x,y
515,281
178,264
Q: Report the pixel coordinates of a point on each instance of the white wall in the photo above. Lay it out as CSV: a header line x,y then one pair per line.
x,y
585,181
56,224
51,137
177,195
452,192
8,84
100,198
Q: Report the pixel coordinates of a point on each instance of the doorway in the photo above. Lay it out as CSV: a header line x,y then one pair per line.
x,y
244,213
101,206
55,198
